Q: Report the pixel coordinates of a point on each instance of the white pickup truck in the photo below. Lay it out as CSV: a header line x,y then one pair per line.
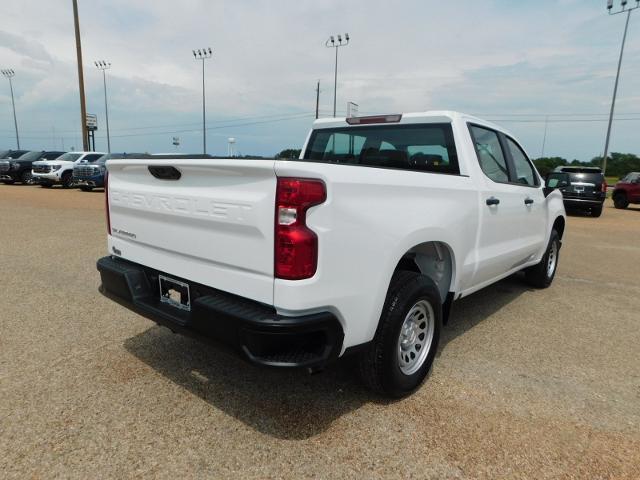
x,y
60,171
359,246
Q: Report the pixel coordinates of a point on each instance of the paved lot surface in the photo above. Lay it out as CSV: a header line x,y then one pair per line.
x,y
528,384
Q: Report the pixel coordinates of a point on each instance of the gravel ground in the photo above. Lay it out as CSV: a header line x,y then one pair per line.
x,y
528,384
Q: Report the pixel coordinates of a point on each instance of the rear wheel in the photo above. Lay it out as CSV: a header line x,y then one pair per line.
x,y
620,200
596,211
8,182
86,188
45,185
67,180
542,274
402,351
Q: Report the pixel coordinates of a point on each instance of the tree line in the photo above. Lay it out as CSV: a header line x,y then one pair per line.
x,y
618,164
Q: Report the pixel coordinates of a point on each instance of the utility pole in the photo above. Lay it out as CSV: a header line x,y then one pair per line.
x,y
623,4
544,137
10,74
203,55
83,107
102,65
331,43
317,99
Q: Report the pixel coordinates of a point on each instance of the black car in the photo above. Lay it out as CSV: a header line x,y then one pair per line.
x,y
18,168
586,188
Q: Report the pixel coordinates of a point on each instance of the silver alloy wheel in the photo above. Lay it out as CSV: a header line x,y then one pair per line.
x,y
552,260
416,336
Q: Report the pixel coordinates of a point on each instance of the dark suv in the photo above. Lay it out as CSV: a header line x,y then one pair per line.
x,y
586,189
6,157
18,168
90,175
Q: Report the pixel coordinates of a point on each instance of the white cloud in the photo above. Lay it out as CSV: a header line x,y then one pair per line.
x,y
485,57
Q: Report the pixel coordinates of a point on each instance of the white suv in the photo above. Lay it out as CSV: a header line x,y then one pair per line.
x,y
60,171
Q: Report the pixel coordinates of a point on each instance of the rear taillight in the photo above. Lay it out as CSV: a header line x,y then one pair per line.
x,y
604,187
106,200
296,246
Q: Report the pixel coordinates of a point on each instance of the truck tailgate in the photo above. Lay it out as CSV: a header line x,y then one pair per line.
x,y
214,225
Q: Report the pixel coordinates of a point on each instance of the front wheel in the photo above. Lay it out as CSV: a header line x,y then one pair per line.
x,y
67,180
542,274
86,188
404,347
26,178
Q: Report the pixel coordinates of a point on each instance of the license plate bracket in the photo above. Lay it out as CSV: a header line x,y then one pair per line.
x,y
175,293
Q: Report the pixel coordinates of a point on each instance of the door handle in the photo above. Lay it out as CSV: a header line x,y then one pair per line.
x,y
493,201
528,201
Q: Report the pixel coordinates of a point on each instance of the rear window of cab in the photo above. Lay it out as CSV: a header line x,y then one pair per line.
x,y
426,147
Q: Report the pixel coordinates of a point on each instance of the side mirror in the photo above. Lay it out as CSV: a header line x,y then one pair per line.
x,y
555,180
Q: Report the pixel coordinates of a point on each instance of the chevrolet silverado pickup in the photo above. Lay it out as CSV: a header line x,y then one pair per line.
x,y
360,246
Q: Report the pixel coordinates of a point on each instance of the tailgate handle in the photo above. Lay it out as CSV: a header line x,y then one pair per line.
x,y
165,173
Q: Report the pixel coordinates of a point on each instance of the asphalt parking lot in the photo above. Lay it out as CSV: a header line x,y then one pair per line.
x,y
528,384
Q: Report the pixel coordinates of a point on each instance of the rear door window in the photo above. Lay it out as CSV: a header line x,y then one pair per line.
x,y
490,154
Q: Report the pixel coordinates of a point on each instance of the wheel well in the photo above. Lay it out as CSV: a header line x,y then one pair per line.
x,y
617,193
558,226
433,259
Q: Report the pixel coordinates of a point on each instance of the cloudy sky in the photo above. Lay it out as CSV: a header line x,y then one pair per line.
x,y
514,62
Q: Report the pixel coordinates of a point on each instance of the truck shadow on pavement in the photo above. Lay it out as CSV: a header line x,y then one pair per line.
x,y
289,405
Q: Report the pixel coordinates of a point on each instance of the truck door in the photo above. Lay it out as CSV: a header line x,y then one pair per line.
x,y
499,246
533,220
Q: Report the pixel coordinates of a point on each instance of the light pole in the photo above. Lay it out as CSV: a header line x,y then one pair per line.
x,y
102,65
623,4
203,55
331,43
10,74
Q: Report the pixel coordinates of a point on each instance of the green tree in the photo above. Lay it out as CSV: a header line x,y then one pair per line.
x,y
289,153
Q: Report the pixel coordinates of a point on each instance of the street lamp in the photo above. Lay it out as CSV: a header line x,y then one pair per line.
x,y
102,65
203,55
628,10
10,74
332,43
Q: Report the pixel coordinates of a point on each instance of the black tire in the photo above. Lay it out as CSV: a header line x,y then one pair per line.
x,y
540,275
67,180
26,178
596,211
380,364
46,185
8,182
86,188
620,200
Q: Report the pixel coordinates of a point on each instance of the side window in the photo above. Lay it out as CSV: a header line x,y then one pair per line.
x,y
93,156
525,173
490,154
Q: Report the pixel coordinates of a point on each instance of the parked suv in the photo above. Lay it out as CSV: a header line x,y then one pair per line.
x,y
20,168
60,171
6,156
627,190
89,175
587,189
